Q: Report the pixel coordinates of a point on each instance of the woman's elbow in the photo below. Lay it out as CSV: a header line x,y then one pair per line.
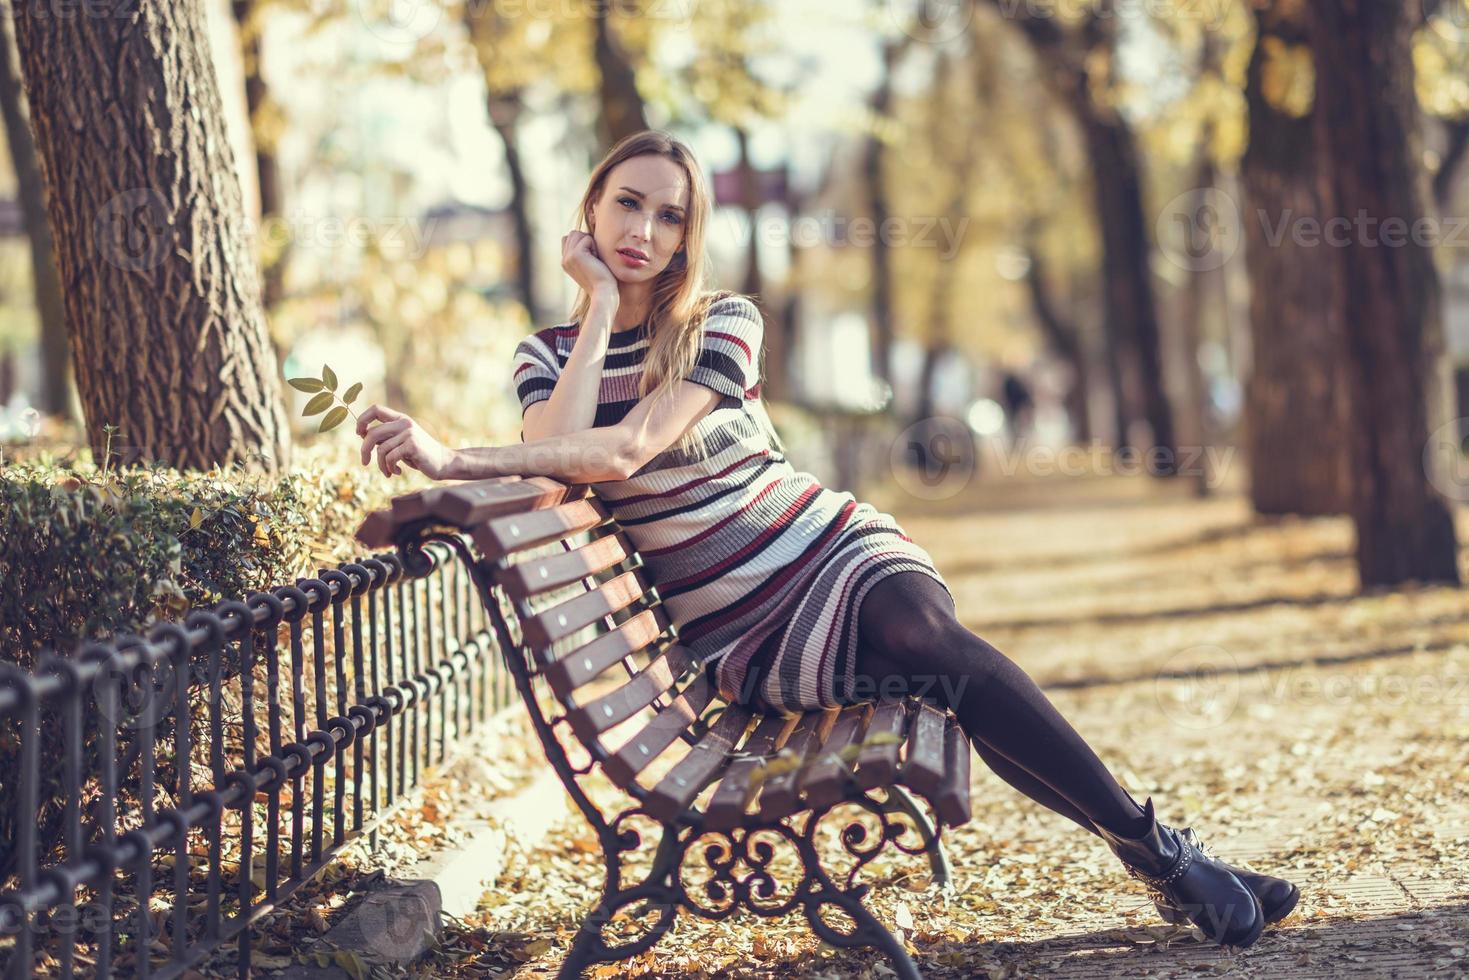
x,y
628,455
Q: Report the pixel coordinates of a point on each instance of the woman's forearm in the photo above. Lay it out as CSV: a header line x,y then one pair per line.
x,y
597,455
572,406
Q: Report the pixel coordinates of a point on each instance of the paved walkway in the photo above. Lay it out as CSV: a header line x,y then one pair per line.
x,y
1222,665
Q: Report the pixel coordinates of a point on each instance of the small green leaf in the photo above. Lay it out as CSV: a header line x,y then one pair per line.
x,y
352,393
320,403
333,418
304,384
196,518
329,377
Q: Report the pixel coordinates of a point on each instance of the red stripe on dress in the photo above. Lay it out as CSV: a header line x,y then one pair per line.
x,y
624,501
780,524
714,528
729,613
732,339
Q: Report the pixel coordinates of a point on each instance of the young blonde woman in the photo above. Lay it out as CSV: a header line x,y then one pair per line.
x,y
794,595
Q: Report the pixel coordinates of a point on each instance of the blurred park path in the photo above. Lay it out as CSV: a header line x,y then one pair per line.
x,y
1222,665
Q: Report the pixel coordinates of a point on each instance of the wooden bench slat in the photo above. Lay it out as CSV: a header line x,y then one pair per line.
x,y
473,503
566,618
692,773
825,776
877,763
558,571
623,766
924,768
951,803
587,662
726,809
781,792
503,536
465,504
613,708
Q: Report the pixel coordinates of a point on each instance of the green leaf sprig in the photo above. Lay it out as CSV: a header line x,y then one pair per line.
x,y
325,388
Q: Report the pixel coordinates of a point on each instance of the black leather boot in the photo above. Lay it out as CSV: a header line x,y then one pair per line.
x,y
1277,896
1178,873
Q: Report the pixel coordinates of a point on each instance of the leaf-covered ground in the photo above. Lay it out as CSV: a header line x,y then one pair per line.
x,y
1223,665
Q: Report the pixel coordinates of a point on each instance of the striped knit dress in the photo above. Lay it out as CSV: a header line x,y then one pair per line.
x,y
761,569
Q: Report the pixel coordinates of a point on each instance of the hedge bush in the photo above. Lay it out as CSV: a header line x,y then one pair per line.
x,y
88,552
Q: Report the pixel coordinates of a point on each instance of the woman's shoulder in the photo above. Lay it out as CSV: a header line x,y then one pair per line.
x,y
725,301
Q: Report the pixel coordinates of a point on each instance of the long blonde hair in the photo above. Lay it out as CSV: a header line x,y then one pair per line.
x,y
680,303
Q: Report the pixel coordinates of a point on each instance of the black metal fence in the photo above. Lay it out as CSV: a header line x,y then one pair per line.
x,y
146,836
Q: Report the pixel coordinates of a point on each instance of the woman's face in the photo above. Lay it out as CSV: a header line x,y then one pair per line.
x,y
638,221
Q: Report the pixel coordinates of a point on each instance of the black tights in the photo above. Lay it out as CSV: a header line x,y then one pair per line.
x,y
911,641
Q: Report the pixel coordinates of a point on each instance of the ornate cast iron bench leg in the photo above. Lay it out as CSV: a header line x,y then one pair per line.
x,y
655,893
933,844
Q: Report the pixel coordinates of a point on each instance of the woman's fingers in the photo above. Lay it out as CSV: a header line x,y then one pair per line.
x,y
385,431
385,449
379,412
406,451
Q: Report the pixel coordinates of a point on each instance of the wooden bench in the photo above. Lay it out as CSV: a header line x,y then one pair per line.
x,y
606,683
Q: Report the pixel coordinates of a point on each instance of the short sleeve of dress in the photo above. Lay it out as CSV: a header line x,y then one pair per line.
x,y
534,372
729,348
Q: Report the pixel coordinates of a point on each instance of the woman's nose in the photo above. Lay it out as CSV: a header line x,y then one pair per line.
x,y
640,226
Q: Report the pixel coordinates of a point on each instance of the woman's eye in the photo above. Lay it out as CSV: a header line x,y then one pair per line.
x,y
625,200
671,215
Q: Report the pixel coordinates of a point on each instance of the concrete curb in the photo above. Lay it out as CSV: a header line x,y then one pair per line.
x,y
395,922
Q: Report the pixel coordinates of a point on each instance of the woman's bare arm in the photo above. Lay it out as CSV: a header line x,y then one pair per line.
x,y
604,454
572,406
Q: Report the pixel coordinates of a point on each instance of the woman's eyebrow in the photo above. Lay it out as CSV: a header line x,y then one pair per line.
x,y
641,195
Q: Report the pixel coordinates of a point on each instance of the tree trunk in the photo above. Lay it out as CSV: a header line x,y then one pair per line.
x,y
1366,129
1064,341
622,106
163,295
267,167
55,361
750,203
1130,313
504,110
1297,414
873,155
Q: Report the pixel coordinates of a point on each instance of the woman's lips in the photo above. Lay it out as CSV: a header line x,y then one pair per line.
x,y
632,259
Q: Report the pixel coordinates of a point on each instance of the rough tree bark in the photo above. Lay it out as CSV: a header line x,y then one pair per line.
x,y
1297,416
55,361
162,293
1367,130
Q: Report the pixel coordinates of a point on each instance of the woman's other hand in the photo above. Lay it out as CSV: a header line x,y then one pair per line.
x,y
398,440
580,260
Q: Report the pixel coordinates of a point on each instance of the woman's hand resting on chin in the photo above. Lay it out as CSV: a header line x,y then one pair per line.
x,y
398,440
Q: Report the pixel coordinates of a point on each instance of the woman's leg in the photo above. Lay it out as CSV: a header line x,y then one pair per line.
x,y
911,639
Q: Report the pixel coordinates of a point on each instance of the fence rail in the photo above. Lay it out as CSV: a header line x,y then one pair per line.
x,y
130,817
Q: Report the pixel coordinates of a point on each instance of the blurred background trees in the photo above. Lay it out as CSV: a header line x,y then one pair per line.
x,y
1102,227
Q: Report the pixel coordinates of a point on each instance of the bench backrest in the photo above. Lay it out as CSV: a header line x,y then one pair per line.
x,y
588,622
